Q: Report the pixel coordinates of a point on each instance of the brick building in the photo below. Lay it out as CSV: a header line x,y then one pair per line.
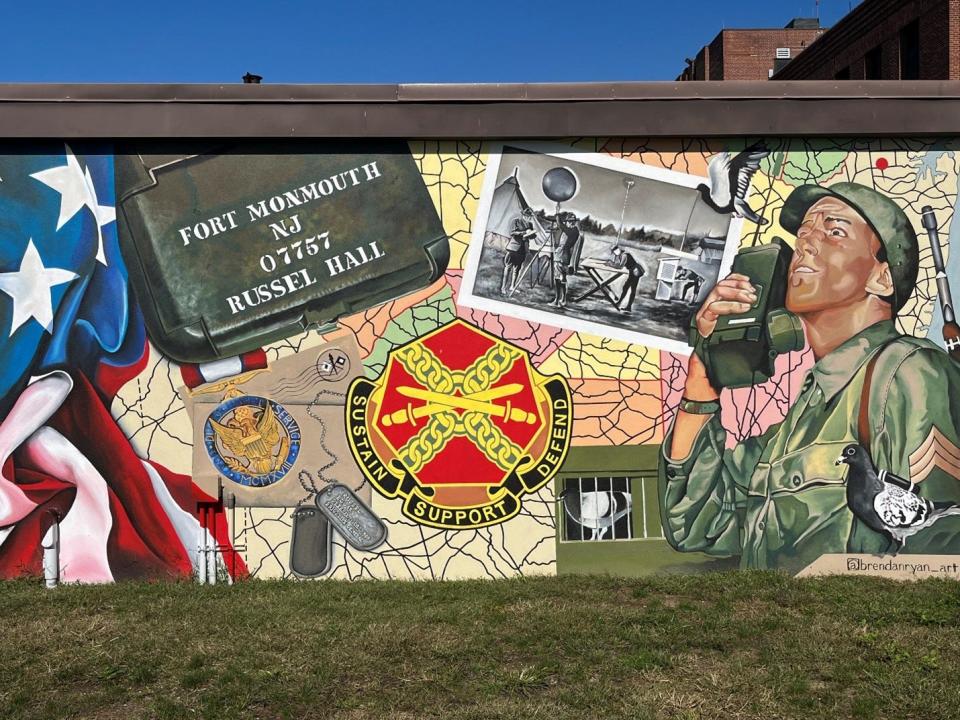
x,y
751,54
886,40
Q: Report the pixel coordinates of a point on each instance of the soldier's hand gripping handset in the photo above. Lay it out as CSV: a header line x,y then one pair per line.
x,y
697,487
731,296
739,331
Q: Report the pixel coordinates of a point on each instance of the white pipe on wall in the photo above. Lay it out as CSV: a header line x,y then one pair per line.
x,y
51,553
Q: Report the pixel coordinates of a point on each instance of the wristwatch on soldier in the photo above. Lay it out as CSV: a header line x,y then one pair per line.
x,y
697,407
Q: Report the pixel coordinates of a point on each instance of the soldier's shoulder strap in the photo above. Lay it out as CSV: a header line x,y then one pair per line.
x,y
878,376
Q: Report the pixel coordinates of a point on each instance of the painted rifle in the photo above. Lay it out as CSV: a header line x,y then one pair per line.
x,y
951,331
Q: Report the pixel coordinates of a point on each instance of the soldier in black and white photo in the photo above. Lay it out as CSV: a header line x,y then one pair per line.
x,y
516,250
568,241
691,281
635,271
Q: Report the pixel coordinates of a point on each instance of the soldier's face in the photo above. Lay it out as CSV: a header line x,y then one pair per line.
x,y
835,258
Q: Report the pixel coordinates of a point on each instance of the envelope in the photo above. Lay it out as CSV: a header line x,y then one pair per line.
x,y
277,437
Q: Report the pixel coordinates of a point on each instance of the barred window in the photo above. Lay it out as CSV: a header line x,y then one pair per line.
x,y
602,508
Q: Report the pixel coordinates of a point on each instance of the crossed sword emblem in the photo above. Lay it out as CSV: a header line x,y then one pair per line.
x,y
474,402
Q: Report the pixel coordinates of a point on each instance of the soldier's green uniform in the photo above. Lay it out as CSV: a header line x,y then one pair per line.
x,y
779,500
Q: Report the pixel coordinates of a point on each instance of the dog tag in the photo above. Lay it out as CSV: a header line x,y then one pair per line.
x,y
311,543
351,517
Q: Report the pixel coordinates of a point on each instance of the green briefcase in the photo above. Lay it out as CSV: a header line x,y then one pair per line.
x,y
231,248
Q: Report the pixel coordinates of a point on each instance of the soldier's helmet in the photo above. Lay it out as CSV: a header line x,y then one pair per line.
x,y
884,217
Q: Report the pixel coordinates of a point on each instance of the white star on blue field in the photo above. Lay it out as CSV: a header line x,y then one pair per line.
x,y
374,42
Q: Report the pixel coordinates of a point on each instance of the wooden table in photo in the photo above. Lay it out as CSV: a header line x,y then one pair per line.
x,y
602,274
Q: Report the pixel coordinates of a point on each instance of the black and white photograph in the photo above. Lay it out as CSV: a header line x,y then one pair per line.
x,y
597,244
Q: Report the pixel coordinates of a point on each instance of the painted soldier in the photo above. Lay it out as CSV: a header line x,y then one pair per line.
x,y
635,271
566,254
779,500
516,250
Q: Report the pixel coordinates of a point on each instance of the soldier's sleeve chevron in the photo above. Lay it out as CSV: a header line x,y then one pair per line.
x,y
936,451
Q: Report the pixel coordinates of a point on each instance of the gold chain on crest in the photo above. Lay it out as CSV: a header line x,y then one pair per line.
x,y
427,369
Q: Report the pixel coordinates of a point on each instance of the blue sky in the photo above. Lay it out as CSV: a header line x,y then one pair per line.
x,y
365,41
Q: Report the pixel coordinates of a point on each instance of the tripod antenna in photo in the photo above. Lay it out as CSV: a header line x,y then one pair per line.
x,y
559,184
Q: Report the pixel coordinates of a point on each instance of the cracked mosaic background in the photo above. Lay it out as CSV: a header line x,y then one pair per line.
x,y
624,394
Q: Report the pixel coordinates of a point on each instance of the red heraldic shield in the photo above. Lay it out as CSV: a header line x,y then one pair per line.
x,y
461,425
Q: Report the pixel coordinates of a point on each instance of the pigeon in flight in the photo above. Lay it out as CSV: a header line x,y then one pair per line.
x,y
730,181
885,502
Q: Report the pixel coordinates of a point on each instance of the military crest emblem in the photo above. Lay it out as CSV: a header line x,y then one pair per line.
x,y
251,440
461,426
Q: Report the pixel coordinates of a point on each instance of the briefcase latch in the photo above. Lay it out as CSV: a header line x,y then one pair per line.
x,y
321,320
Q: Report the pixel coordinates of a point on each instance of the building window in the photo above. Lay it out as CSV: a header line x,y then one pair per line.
x,y
873,64
783,53
602,508
910,51
843,74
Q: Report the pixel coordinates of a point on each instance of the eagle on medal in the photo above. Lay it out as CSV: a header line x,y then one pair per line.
x,y
251,436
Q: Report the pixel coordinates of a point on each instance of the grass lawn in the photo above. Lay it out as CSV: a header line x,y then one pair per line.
x,y
723,645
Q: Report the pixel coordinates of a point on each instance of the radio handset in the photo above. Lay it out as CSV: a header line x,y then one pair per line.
x,y
742,349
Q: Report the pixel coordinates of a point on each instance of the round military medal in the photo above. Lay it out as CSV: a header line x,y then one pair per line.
x,y
251,440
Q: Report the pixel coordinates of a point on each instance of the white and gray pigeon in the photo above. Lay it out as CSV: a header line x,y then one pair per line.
x,y
886,503
730,182
598,510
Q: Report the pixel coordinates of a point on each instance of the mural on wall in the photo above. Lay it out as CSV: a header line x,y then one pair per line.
x,y
455,359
